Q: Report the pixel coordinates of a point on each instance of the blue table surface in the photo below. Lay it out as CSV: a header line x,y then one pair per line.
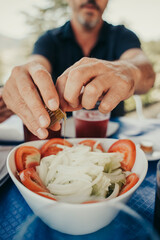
x,y
14,211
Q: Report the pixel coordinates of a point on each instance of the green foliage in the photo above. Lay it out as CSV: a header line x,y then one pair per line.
x,y
51,15
152,50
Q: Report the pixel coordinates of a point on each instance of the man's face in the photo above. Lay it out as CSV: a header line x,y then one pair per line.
x,y
88,12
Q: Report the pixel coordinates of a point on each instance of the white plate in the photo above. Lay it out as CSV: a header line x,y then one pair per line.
x,y
70,128
12,130
155,155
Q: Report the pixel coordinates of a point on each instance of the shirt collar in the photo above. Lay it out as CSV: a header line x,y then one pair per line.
x,y
68,31
103,32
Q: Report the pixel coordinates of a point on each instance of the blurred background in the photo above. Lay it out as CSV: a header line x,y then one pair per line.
x,y
22,21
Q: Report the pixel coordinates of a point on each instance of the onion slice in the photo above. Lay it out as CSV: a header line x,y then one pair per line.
x,y
114,193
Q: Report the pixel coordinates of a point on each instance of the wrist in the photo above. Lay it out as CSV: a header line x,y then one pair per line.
x,y
136,75
132,71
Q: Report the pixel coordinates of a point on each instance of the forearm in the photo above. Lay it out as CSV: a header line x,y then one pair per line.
x,y
142,70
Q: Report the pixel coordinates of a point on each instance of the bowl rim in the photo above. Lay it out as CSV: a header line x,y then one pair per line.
x,y
99,203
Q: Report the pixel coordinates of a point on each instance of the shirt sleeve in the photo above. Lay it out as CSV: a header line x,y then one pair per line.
x,y
44,46
126,39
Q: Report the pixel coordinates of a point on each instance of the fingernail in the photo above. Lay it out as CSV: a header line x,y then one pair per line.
x,y
41,133
43,121
52,103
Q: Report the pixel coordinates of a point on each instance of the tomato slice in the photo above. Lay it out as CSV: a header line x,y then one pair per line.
x,y
46,195
27,157
131,180
127,147
30,179
53,150
50,147
91,143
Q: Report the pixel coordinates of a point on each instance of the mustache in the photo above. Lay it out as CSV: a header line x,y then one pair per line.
x,y
93,2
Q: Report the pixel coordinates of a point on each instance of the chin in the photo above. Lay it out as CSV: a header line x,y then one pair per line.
x,y
88,21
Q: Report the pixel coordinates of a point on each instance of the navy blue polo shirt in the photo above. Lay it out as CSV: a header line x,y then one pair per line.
x,y
59,46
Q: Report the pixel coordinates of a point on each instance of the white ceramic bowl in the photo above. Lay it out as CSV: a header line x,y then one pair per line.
x,y
76,219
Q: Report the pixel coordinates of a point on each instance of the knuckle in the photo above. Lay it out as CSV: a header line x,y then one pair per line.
x,y
19,105
58,79
125,88
61,79
99,65
84,60
68,98
105,107
34,125
27,89
75,74
91,90
16,70
37,110
42,73
29,121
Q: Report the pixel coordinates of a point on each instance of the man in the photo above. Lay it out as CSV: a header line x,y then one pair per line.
x,y
89,60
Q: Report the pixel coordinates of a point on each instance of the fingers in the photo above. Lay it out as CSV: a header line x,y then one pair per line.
x,y
44,82
75,79
55,127
93,91
110,82
22,97
110,100
60,86
22,110
32,100
31,123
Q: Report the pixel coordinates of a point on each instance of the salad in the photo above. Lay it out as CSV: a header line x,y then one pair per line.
x,y
77,173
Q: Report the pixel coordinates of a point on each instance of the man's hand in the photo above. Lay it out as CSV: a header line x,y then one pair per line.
x,y
5,113
21,95
90,80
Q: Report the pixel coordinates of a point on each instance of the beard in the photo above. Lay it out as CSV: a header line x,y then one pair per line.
x,y
88,24
88,21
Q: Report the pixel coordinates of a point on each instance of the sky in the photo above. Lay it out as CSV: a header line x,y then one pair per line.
x,y
142,16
